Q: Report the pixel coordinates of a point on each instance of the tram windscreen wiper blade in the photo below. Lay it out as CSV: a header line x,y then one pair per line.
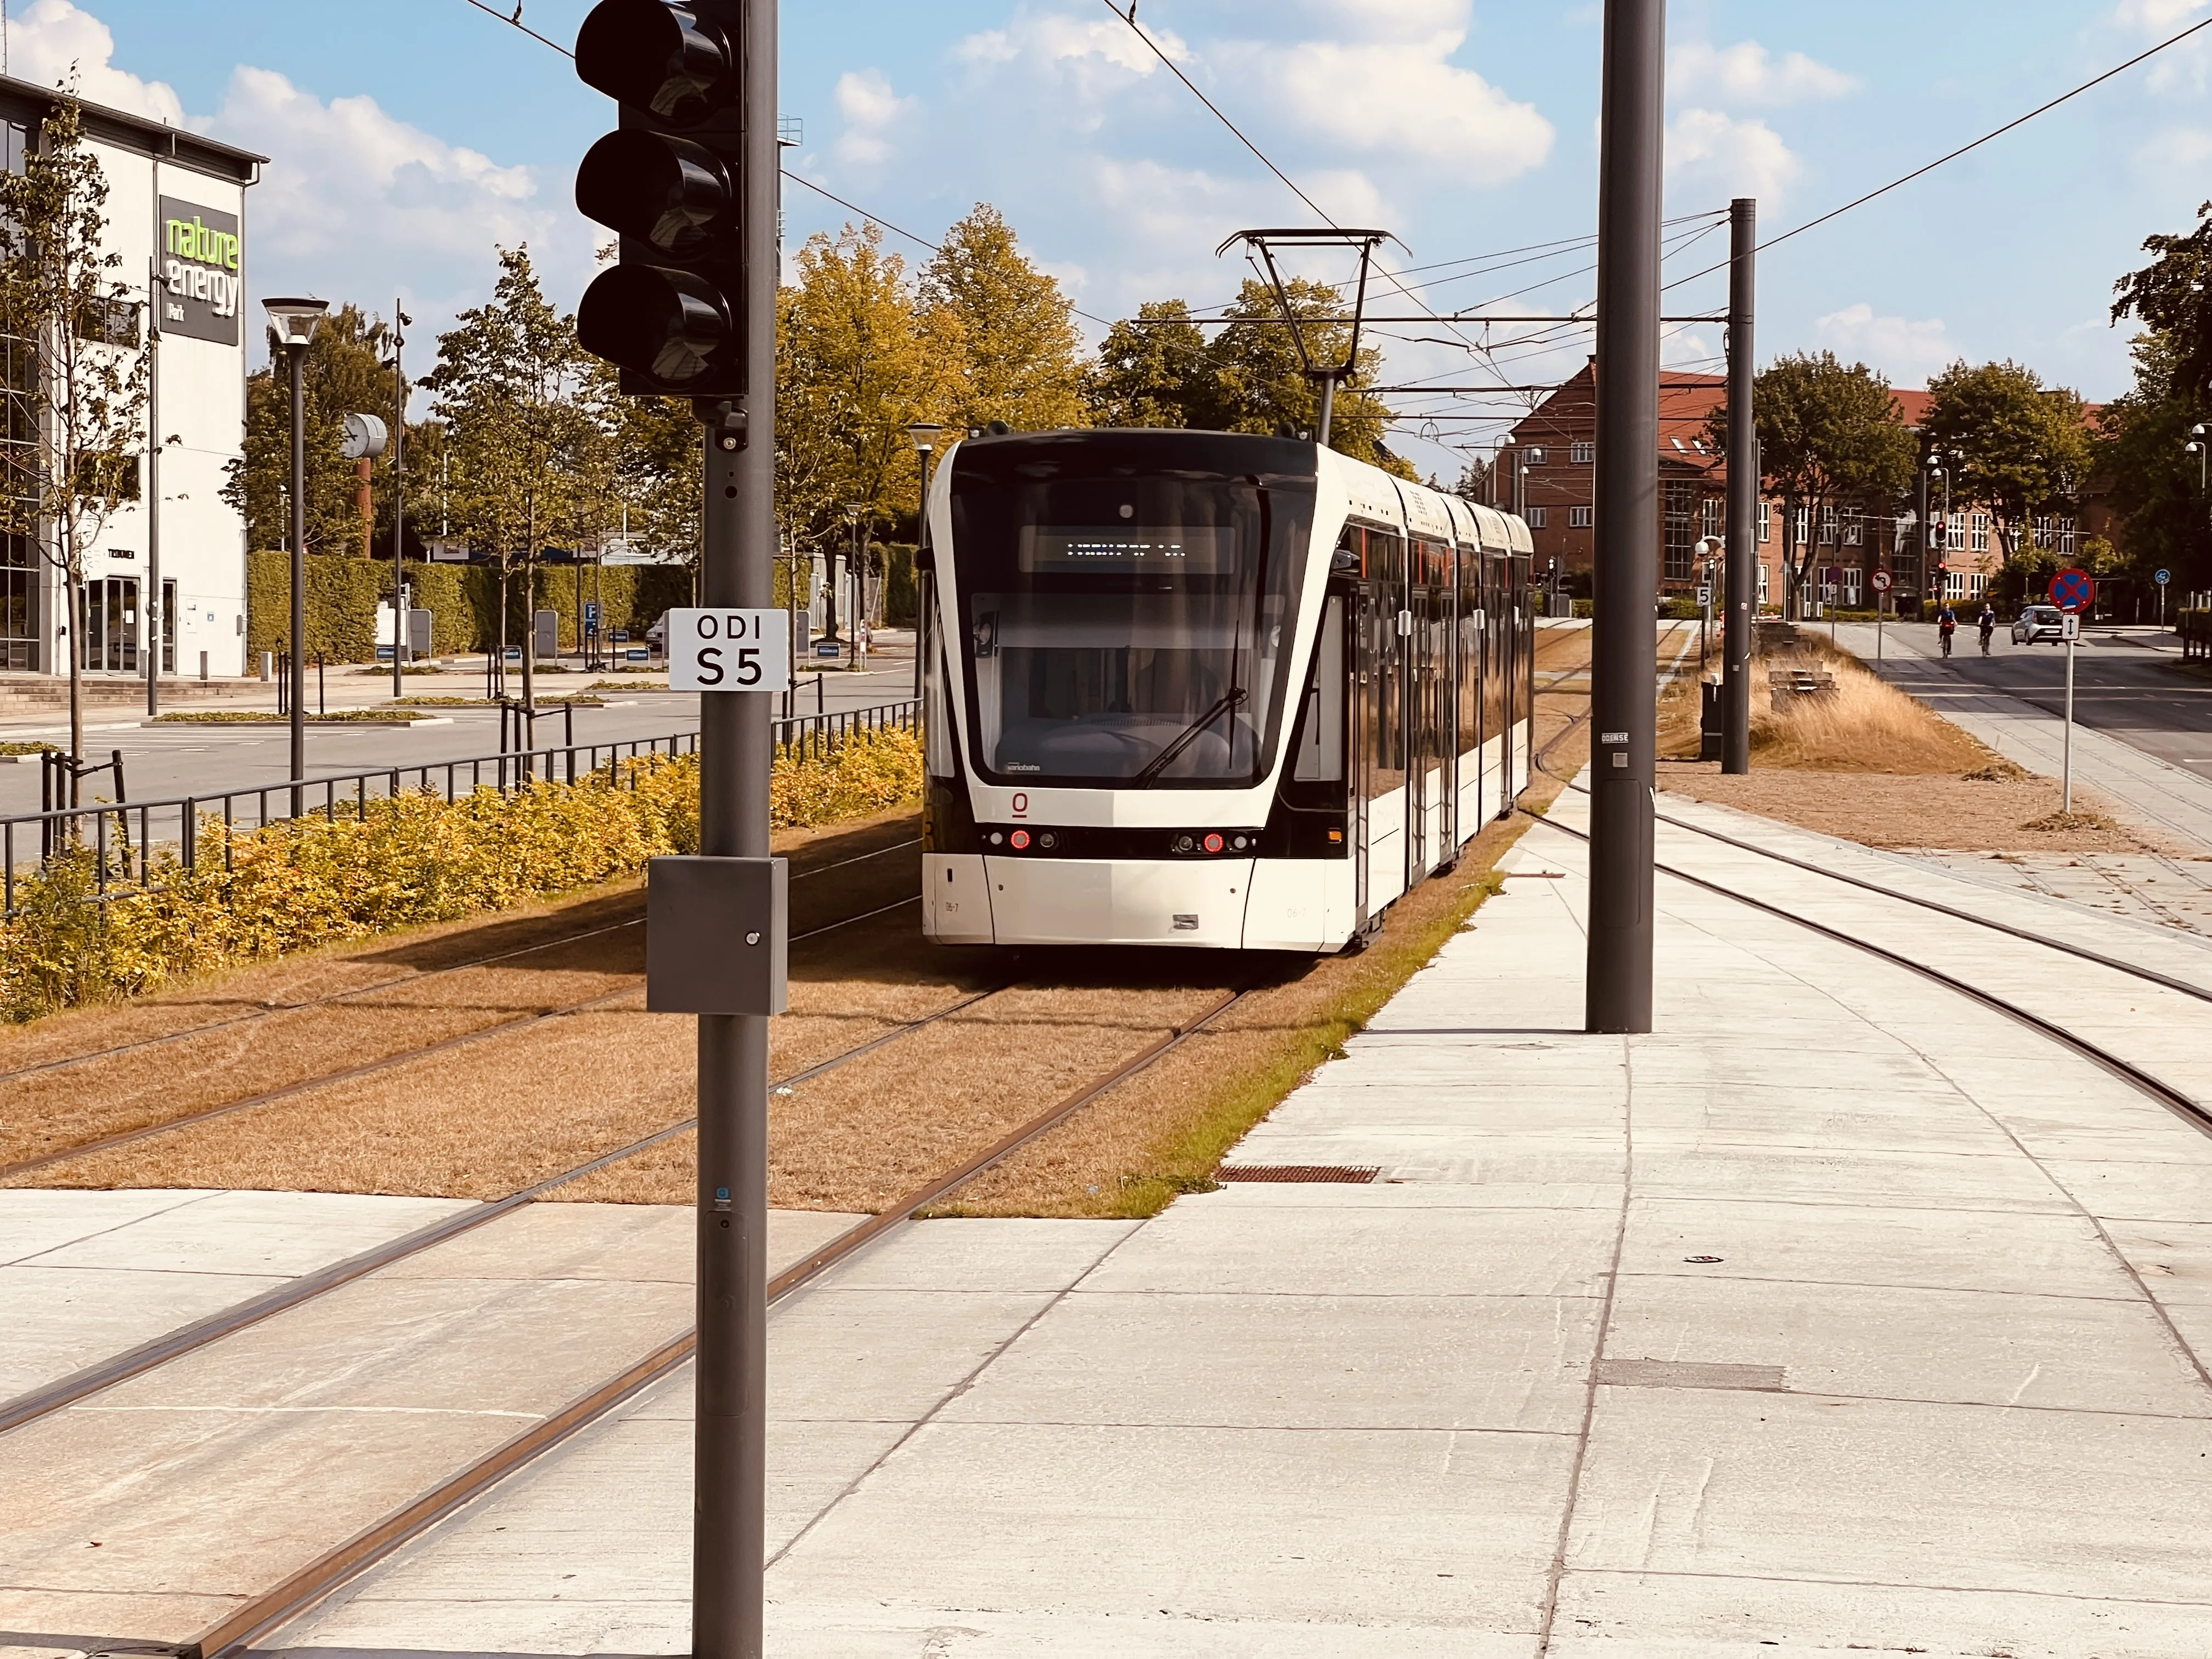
x,y
1232,698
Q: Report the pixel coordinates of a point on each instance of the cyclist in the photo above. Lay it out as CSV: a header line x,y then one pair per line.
x,y
1989,624
1947,624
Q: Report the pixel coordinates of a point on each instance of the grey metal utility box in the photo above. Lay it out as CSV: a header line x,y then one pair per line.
x,y
716,935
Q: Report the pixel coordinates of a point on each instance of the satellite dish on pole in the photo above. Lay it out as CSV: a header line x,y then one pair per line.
x,y
364,438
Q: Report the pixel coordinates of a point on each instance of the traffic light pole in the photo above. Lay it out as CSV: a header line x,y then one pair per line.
x,y
1740,572
730,1463
1624,689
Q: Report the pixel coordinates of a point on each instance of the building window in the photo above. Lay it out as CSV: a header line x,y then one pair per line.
x,y
1854,579
1580,518
1804,526
2066,538
1766,529
1533,457
1709,517
1980,543
1854,527
1762,584
1583,454
1536,517
1682,502
1828,525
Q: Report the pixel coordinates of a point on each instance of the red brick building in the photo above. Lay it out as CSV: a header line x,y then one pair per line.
x,y
1554,450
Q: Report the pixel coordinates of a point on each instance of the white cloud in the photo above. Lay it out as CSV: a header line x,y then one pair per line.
x,y
53,39
1746,73
353,193
871,110
1906,351
1405,98
1717,157
2155,17
1053,38
2183,149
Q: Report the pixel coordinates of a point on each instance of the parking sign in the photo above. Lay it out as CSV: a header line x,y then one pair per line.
x,y
717,649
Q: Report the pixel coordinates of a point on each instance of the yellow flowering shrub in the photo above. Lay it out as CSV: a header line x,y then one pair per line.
x,y
403,862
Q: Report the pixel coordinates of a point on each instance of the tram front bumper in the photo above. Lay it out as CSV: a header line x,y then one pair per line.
x,y
1046,901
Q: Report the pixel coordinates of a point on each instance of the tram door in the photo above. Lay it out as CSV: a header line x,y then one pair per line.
x,y
1419,677
1361,734
1444,705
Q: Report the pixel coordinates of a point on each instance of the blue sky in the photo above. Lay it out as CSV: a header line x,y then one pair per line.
x,y
407,138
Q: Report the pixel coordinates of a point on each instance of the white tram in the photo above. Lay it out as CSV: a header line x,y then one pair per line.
x,y
1207,689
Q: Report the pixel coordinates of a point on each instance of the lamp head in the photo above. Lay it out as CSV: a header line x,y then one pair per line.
x,y
924,434
295,320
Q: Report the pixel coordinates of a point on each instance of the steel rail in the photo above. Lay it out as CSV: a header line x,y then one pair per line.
x,y
390,1062
264,1615
135,1362
2197,1116
411,977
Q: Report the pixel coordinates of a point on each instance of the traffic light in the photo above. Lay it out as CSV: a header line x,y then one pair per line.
x,y
1936,533
670,183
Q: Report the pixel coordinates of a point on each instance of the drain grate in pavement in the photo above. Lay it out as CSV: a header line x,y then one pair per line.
x,y
1349,1175
1688,1374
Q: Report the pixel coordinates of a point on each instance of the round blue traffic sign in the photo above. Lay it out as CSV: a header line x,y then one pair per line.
x,y
2072,590
2163,577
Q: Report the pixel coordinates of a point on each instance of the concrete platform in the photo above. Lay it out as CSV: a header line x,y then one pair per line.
x,y
1837,1316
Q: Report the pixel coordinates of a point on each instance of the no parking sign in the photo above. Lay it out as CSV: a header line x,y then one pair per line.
x,y
2072,590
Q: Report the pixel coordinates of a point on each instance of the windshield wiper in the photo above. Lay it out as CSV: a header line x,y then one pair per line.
x,y
1232,698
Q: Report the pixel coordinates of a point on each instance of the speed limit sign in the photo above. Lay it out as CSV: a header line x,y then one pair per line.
x,y
729,650
1880,581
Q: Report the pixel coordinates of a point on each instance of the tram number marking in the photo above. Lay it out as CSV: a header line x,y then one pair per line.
x,y
1021,805
723,649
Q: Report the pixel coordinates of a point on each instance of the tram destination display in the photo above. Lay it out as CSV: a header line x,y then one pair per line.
x,y
1057,548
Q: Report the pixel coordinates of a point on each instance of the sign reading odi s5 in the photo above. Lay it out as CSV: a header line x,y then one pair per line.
x,y
202,266
725,650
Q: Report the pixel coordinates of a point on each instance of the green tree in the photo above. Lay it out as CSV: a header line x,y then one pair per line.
x,y
516,393
2023,447
343,373
2155,487
75,372
1151,371
1829,435
859,355
1247,378
1021,358
2173,297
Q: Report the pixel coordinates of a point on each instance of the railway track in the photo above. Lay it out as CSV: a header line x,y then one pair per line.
x,y
390,1062
2195,1112
318,1579
411,976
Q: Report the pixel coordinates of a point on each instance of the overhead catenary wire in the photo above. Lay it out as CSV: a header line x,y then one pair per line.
x,y
2044,108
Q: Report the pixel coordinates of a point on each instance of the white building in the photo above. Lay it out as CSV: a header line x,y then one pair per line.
x,y
176,210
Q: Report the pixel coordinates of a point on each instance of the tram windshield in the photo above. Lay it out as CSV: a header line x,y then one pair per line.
x,y
1130,604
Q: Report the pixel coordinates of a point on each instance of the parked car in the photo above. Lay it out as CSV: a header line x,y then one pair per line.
x,y
2038,622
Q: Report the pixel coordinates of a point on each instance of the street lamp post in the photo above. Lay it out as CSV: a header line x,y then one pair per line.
x,y
400,632
1938,469
853,511
294,323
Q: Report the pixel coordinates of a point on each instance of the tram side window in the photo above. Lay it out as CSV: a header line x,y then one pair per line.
x,y
1470,568
1496,611
936,712
1386,564
1321,750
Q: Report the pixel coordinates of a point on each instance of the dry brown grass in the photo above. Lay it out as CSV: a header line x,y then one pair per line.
x,y
521,1106
1870,764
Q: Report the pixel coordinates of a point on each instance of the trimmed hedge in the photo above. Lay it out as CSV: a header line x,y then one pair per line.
x,y
463,599
402,863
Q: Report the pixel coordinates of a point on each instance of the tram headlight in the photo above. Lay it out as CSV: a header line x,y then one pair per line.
x,y
1184,844
1020,839
1213,843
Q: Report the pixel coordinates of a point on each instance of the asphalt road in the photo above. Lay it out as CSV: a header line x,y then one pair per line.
x,y
164,761
2128,682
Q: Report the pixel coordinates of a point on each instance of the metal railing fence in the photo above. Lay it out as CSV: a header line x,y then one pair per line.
x,y
130,842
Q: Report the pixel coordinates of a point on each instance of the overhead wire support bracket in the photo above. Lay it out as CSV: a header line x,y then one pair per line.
x,y
1327,376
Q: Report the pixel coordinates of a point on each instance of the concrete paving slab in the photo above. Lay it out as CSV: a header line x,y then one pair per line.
x,y
2138,1192
888,1356
1788,1486
2174,1257
254,1233
1894,1342
1655,1615
1328,1526
1910,1180
1511,1363
983,1253
1842,1245
34,1220
61,1320
1197,1247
